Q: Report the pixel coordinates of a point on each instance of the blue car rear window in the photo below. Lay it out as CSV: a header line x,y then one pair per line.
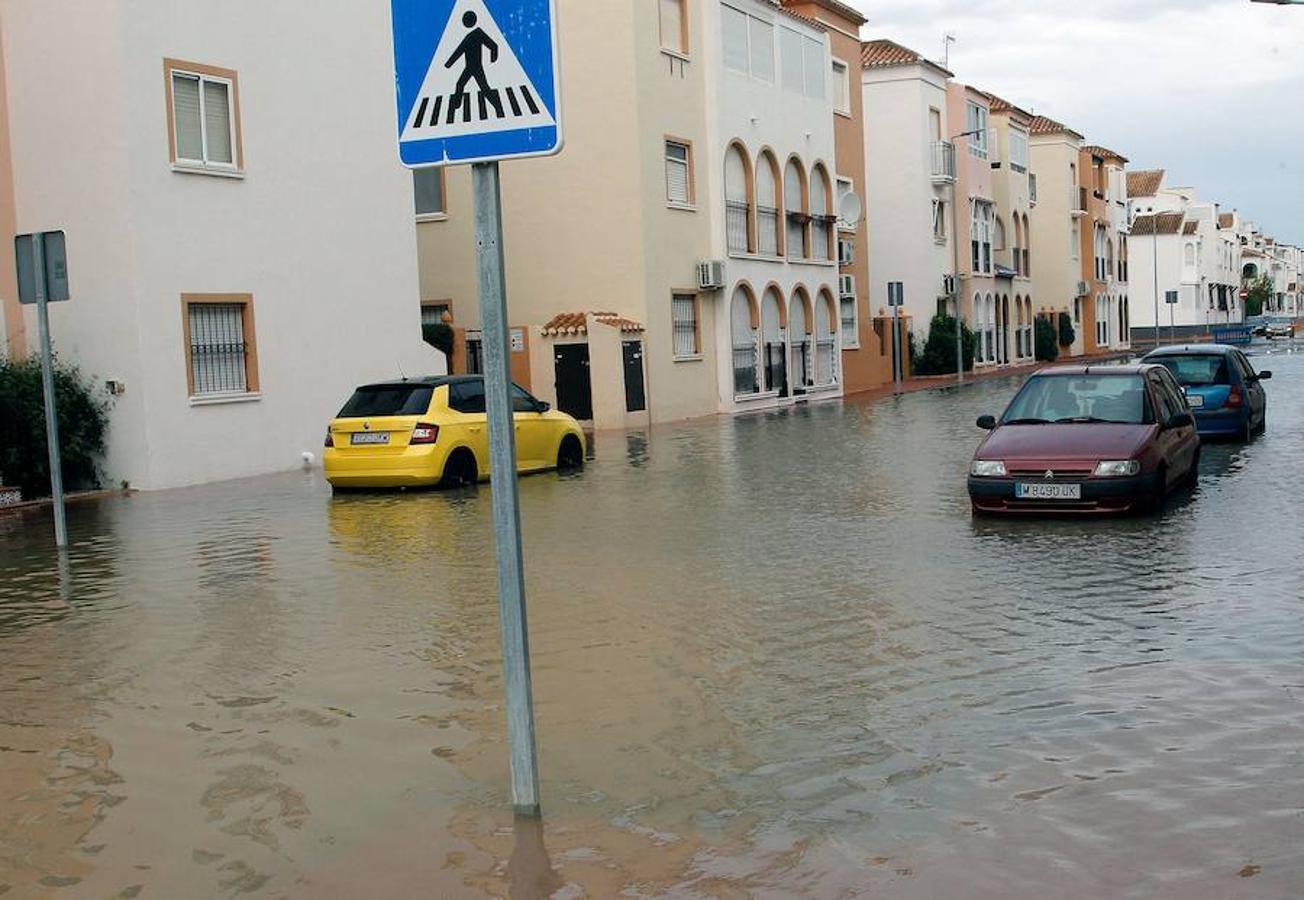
x,y
1200,370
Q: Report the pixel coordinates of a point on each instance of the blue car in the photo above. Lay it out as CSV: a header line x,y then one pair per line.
x,y
1221,386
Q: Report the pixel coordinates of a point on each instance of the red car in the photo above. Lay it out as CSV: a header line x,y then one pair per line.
x,y
1109,439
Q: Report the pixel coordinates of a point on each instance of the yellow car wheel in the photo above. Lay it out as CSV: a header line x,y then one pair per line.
x,y
570,455
460,470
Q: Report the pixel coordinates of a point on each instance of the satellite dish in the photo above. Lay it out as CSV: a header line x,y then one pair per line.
x,y
850,209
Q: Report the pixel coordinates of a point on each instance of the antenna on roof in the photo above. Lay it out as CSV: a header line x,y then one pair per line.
x,y
400,369
947,40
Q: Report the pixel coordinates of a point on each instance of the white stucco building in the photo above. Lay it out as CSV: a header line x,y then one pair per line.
x,y
234,274
774,213
910,180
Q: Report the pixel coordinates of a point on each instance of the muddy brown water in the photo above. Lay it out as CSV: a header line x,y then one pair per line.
x,y
773,657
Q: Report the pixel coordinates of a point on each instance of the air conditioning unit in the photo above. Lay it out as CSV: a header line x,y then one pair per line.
x,y
847,285
710,275
1083,289
846,252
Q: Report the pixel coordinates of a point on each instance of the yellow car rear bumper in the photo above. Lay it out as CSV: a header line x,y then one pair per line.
x,y
410,467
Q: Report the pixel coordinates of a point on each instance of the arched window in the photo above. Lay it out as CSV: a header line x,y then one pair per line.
x,y
743,321
1030,342
737,201
1190,253
803,369
1000,234
774,352
767,204
990,322
821,202
1018,319
826,341
1109,257
1027,248
795,199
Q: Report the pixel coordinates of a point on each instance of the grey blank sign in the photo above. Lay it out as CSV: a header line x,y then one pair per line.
x,y
56,266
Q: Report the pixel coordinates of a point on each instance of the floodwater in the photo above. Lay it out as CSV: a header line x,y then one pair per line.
x,y
773,657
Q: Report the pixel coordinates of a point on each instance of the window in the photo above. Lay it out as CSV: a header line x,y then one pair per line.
x,y
981,235
794,196
767,204
203,117
976,124
746,361
803,63
1018,151
687,327
674,27
999,238
734,25
850,322
467,397
939,221
762,49
221,354
1075,239
821,220
388,400
679,173
737,202
522,401
748,44
428,186
433,313
841,88
845,189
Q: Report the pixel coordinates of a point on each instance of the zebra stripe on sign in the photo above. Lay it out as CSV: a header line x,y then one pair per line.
x,y
475,84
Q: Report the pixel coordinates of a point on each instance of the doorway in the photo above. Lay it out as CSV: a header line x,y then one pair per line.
x,y
635,388
574,387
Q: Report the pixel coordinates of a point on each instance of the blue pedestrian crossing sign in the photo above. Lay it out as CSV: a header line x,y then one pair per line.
x,y
477,80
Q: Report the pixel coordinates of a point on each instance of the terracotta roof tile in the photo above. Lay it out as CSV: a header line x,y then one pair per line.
x,y
1001,105
837,8
1145,183
1167,223
1227,220
882,54
578,323
1104,152
813,23
1044,125
1190,228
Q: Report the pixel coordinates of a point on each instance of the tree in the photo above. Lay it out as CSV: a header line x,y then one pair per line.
x,y
440,336
1066,333
83,424
938,355
1259,293
1047,341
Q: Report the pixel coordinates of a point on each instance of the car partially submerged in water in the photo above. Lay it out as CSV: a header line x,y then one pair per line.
x,y
1078,439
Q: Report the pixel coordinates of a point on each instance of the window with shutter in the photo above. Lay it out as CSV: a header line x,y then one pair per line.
x,y
688,338
203,110
762,49
674,30
791,61
841,88
679,180
815,65
850,325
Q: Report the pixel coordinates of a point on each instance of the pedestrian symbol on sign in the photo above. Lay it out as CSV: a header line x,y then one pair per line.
x,y
475,83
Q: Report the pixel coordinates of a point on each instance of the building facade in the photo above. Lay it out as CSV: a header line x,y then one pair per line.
x,y
975,227
1057,231
1104,261
224,299
910,181
1013,183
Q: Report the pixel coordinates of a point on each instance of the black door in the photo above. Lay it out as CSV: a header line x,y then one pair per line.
x,y
635,393
574,390
776,368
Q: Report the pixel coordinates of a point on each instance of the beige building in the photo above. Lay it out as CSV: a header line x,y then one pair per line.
x,y
1013,189
1057,283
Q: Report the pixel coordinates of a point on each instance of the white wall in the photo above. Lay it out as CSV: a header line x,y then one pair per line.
x,y
899,189
320,230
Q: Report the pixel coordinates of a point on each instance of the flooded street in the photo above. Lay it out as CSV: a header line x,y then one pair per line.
x,y
773,656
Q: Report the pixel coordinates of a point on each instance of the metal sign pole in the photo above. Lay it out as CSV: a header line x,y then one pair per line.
x,y
513,627
47,384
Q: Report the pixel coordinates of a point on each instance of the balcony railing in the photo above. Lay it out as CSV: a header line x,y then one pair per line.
x,y
767,225
1078,201
943,161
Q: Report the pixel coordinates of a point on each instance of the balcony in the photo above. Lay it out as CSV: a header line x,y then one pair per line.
x,y
1078,202
943,154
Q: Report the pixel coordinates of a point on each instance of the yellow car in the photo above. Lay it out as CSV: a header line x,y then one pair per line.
x,y
434,432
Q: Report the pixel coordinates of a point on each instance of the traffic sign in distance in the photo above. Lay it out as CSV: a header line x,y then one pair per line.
x,y
477,80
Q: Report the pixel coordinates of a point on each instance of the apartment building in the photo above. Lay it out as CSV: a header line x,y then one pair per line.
x,y
1187,245
975,222
233,280
1104,248
681,256
866,334
1014,187
1057,232
910,180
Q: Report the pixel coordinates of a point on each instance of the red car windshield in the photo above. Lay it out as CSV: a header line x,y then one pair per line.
x,y
1059,399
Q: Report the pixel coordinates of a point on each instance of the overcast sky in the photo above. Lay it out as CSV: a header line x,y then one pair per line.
x,y
1211,90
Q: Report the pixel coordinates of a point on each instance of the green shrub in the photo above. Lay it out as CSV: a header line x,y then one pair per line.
x,y
440,336
1066,333
1047,343
938,355
83,424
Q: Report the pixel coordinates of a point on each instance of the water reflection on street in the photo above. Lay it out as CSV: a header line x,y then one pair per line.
x,y
773,656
